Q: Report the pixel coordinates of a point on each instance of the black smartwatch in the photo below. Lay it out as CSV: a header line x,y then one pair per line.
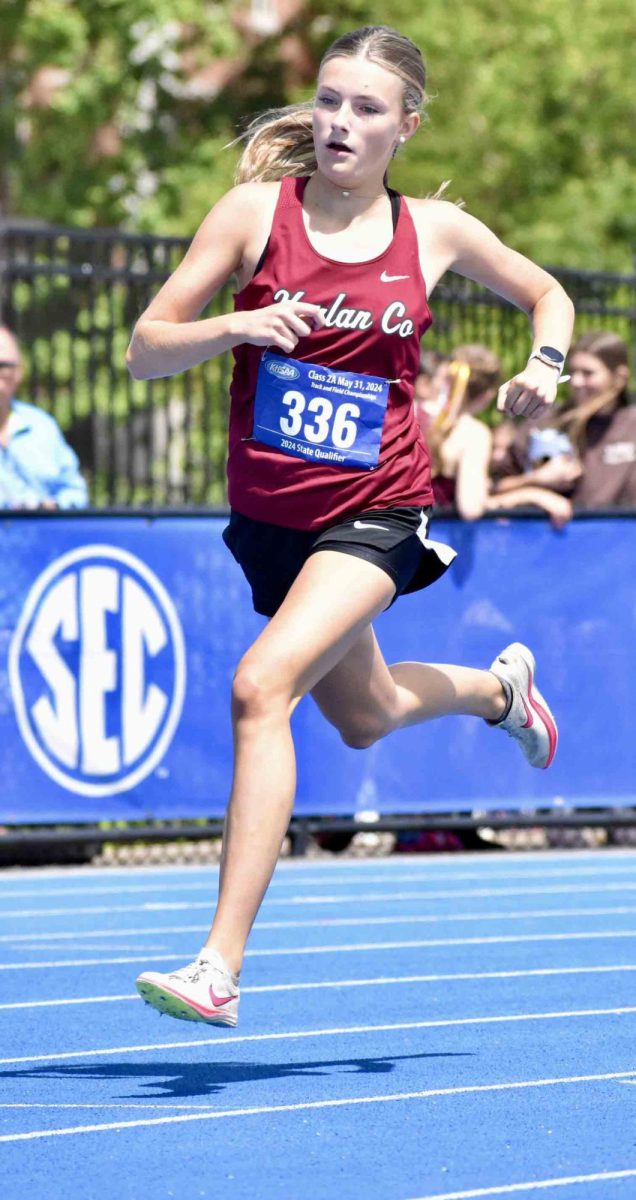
x,y
550,356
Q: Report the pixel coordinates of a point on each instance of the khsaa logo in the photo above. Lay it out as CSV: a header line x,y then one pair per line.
x,y
97,670
282,370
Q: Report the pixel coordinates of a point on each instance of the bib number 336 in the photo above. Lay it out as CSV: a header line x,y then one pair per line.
x,y
338,427
324,416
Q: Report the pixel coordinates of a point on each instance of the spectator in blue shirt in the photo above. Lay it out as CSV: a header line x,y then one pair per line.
x,y
38,469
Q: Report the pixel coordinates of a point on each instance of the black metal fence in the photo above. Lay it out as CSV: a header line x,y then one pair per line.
x,y
73,296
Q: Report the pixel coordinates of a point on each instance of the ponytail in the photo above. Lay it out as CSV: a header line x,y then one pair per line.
x,y
279,142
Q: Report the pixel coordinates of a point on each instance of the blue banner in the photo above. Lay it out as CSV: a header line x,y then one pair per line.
x,y
119,637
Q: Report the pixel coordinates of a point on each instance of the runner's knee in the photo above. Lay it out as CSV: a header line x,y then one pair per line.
x,y
256,690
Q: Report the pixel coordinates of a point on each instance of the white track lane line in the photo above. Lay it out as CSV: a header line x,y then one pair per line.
x,y
357,947
346,1031
316,1104
410,877
95,946
326,922
293,901
511,1189
541,972
147,947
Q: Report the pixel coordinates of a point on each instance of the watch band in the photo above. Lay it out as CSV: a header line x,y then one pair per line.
x,y
556,366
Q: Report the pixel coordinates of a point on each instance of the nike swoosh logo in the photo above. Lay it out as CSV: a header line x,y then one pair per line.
x,y
367,525
219,1001
384,278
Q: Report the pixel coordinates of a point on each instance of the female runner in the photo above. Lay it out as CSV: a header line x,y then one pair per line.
x,y
329,477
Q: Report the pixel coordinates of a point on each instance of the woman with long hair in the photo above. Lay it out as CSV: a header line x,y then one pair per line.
x,y
586,448
329,476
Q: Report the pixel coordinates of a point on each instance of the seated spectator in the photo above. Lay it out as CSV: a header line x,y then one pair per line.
x,y
38,469
459,442
586,449
600,420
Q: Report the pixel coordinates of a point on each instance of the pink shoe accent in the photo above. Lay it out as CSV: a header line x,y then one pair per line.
x,y
219,1001
553,734
530,721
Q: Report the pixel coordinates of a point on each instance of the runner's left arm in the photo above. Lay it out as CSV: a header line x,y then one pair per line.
x,y
471,249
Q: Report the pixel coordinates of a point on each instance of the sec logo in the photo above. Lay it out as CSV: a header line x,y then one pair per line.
x,y
97,670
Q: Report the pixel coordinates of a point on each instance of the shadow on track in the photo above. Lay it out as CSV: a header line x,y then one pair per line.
x,y
209,1079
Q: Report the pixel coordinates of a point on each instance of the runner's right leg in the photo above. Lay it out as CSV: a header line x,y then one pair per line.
x,y
333,599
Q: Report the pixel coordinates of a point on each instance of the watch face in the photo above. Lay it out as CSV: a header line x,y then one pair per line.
x,y
555,356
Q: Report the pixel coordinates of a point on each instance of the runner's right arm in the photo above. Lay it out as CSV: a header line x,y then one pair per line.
x,y
169,338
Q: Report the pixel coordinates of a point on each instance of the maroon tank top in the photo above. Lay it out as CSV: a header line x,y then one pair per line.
x,y
376,314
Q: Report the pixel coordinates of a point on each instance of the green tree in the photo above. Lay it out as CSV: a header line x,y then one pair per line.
x,y
101,117
531,112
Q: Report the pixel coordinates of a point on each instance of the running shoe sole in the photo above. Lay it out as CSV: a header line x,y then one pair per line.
x,y
164,1000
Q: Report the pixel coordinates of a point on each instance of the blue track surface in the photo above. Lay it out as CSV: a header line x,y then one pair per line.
x,y
448,1028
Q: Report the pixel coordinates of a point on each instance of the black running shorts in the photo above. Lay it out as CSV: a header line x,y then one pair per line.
x,y
395,539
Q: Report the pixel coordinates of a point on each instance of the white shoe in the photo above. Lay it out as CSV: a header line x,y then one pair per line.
x,y
204,990
529,720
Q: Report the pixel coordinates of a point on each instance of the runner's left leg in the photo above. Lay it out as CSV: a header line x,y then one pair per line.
x,y
366,699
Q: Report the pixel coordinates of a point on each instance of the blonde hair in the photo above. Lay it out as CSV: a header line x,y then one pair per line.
x,y
277,143
473,369
485,368
280,141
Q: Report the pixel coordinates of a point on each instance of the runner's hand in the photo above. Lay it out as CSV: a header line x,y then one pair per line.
x,y
281,325
531,393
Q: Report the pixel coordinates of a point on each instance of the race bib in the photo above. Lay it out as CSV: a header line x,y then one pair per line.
x,y
320,414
